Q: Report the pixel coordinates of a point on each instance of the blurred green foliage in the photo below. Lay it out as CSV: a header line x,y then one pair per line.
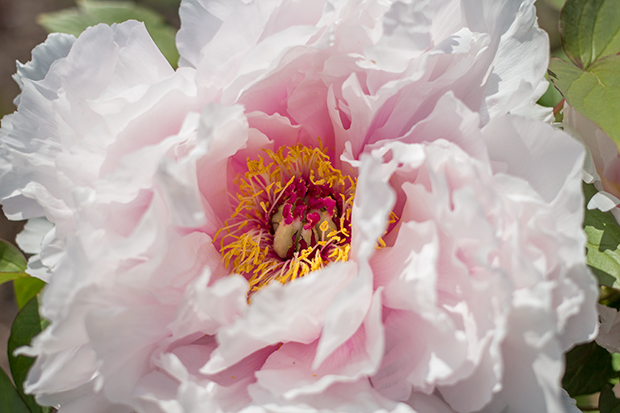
x,y
89,13
27,324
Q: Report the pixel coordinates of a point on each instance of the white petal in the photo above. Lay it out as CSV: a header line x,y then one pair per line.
x,y
30,239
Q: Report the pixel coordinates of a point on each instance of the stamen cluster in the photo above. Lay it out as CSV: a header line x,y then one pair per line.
x,y
293,216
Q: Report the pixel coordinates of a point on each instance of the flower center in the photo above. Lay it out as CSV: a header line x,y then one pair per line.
x,y
293,217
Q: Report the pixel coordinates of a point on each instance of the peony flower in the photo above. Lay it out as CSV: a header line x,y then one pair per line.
x,y
331,206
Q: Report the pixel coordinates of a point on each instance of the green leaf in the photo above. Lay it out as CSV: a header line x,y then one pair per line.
x,y
603,245
9,398
12,263
11,259
590,29
607,402
27,324
10,276
26,288
615,361
594,93
168,4
587,403
603,278
550,98
611,298
588,369
89,13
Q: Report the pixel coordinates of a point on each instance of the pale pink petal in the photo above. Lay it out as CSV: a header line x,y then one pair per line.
x,y
295,312
290,371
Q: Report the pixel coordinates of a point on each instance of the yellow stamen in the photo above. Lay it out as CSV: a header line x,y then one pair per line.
x,y
257,242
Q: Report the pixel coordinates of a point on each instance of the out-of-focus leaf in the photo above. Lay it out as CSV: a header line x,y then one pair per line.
x,y
89,13
588,369
12,262
587,403
9,398
559,52
615,361
10,276
27,324
26,288
590,30
594,93
169,4
603,245
611,298
607,402
556,4
551,97
165,38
